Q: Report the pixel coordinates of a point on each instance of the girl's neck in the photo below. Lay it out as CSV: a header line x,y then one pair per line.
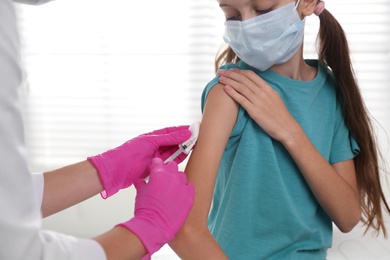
x,y
296,68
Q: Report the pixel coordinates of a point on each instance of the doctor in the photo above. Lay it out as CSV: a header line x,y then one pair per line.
x,y
162,204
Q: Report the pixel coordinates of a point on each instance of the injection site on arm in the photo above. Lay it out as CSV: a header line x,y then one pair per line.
x,y
186,146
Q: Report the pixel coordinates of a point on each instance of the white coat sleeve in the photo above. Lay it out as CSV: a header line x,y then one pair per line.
x,y
81,248
38,183
33,2
21,236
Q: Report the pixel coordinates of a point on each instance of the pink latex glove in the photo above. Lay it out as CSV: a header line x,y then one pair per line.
x,y
120,167
161,206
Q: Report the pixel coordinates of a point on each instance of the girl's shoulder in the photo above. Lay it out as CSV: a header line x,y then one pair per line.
x,y
215,81
240,115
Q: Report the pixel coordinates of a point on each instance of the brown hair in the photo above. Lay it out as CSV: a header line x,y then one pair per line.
x,y
334,52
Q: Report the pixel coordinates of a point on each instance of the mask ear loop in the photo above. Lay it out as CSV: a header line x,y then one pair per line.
x,y
296,5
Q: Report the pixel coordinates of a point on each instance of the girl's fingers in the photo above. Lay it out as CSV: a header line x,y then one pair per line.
x,y
239,83
250,79
239,89
257,81
252,76
240,99
232,76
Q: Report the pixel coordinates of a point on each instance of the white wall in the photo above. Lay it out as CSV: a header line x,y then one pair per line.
x,y
70,36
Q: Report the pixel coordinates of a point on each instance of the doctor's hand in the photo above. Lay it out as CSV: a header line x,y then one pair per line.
x,y
162,205
118,168
261,101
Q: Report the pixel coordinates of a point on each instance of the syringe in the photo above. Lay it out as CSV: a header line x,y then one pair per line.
x,y
187,145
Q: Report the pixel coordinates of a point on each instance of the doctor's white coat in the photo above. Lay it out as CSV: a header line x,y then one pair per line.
x,y
21,234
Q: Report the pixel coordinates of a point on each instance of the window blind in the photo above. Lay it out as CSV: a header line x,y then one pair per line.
x,y
100,72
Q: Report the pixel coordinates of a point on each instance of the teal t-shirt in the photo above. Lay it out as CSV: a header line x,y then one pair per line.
x,y
262,206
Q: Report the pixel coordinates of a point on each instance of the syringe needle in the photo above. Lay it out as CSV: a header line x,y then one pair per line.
x,y
174,155
186,146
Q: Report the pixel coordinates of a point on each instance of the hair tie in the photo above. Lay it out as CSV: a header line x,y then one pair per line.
x,y
319,8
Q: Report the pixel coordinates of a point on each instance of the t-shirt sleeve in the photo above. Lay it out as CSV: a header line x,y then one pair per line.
x,y
344,145
212,83
241,118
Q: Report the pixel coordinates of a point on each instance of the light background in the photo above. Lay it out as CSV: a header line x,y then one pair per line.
x,y
100,72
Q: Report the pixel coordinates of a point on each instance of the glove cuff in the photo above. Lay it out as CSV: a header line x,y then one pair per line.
x,y
103,171
152,234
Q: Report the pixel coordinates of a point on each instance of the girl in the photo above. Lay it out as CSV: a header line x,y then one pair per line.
x,y
298,155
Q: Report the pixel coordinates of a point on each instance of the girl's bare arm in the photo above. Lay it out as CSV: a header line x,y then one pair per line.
x,y
194,240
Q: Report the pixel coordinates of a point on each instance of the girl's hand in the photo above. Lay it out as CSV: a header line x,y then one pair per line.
x,y
261,101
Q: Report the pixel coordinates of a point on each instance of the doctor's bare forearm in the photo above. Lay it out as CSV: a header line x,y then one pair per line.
x,y
68,186
120,243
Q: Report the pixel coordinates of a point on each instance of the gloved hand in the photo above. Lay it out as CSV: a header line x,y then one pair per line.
x,y
120,167
161,206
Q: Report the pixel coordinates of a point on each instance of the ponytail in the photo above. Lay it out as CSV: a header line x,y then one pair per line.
x,y
334,52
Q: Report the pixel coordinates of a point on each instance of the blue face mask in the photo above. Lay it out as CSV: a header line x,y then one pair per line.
x,y
268,39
